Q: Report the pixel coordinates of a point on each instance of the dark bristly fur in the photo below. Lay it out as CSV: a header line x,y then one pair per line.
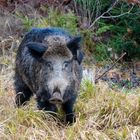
x,y
49,60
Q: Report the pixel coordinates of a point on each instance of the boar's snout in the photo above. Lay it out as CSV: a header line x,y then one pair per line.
x,y
56,98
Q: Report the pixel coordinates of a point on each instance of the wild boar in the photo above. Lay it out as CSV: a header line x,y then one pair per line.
x,y
48,64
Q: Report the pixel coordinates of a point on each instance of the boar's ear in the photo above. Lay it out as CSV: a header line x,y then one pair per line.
x,y
36,49
74,46
80,56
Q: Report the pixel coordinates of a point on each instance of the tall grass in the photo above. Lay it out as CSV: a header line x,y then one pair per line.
x,y
102,114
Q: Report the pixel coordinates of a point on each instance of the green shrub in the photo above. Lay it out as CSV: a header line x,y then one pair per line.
x,y
123,32
126,35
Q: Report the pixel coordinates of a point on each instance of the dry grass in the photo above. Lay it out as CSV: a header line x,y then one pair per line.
x,y
102,113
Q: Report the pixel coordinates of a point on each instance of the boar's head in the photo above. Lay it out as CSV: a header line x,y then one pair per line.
x,y
57,78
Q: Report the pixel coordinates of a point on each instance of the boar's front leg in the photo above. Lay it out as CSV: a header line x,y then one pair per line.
x,y
68,109
42,98
23,93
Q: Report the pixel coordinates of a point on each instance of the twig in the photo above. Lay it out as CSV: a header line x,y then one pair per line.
x,y
105,17
113,5
110,67
120,14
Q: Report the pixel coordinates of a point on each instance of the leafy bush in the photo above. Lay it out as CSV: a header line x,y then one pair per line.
x,y
126,34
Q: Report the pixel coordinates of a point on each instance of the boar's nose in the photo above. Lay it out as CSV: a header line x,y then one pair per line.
x,y
56,97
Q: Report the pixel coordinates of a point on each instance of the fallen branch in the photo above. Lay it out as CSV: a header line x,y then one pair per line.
x,y
96,80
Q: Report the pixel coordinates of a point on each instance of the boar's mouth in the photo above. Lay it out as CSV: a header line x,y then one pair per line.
x,y
56,98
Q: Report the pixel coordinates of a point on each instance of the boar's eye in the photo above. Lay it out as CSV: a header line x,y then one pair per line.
x,y
49,65
66,65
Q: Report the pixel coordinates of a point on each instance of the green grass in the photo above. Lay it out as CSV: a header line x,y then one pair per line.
x,y
55,18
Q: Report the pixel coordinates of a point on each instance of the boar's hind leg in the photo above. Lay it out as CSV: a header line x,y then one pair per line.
x,y
68,108
23,93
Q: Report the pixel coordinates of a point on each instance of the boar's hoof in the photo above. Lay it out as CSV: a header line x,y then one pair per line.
x,y
70,118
